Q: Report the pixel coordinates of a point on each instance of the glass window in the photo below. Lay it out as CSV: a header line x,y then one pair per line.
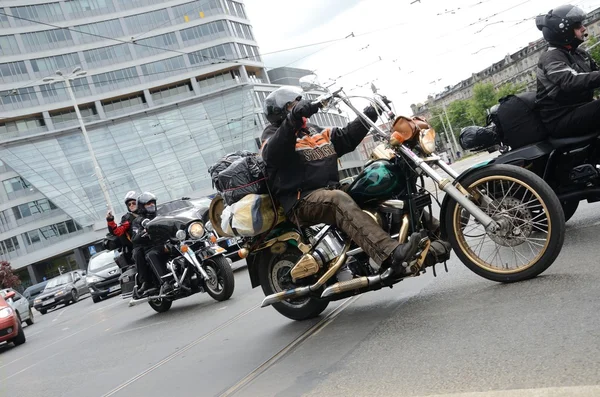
x,y
8,45
212,54
163,93
111,28
147,21
242,31
129,4
170,66
203,33
83,8
236,9
23,125
13,71
32,208
45,66
116,79
48,12
54,38
197,9
107,55
88,112
155,45
15,184
122,103
4,23
9,245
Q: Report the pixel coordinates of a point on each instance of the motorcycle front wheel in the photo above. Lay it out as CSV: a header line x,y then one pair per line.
x,y
531,220
220,283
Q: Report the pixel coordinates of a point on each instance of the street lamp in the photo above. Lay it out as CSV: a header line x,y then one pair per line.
x,y
77,72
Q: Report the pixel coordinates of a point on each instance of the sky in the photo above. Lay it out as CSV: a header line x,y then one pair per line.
x,y
408,49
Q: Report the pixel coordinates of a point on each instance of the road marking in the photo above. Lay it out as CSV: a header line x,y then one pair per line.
x,y
179,352
138,328
51,344
222,308
568,391
60,314
286,350
32,365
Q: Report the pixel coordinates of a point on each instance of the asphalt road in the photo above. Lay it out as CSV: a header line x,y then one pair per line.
x,y
456,334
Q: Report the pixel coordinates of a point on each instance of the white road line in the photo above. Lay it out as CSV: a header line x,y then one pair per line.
x,y
60,314
138,328
32,365
178,352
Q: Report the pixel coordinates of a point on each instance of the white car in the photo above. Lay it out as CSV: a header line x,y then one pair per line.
x,y
20,304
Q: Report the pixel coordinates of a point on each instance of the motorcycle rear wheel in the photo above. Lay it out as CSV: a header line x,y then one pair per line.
x,y
274,276
160,305
533,231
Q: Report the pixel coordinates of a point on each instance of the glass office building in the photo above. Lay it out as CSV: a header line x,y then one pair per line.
x,y
171,86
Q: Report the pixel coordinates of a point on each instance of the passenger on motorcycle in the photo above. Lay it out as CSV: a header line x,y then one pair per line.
x,y
302,164
566,75
123,230
148,253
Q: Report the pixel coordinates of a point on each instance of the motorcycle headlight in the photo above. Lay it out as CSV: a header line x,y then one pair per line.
x,y
427,140
6,312
196,230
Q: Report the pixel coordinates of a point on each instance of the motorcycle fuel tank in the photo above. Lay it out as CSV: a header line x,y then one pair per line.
x,y
380,180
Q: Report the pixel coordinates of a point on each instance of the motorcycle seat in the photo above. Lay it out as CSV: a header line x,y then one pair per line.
x,y
564,143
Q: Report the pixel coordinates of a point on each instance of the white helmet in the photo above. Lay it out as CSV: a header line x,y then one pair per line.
x,y
130,196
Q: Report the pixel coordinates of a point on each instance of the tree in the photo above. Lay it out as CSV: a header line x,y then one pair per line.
x,y
7,278
594,52
484,97
510,89
459,115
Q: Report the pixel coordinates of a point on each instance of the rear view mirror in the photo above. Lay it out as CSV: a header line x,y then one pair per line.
x,y
310,83
9,295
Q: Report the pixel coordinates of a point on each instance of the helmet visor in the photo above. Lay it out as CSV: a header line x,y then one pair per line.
x,y
576,15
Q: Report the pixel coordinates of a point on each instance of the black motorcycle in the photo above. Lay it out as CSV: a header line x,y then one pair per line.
x,y
570,166
194,262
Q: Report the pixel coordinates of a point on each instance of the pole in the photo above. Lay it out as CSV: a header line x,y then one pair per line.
x,y
89,145
451,130
447,140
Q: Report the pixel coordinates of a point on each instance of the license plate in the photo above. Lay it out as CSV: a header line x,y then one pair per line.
x,y
231,242
114,288
47,302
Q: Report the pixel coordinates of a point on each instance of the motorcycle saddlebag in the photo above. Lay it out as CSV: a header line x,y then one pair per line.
x,y
244,176
252,215
478,138
222,164
518,122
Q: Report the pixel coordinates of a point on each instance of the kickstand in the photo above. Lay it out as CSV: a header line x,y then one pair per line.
x,y
434,273
446,266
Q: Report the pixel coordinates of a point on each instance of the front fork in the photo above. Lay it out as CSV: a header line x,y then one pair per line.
x,y
190,255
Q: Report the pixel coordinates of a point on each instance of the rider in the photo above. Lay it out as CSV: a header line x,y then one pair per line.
x,y
566,75
302,164
123,231
147,252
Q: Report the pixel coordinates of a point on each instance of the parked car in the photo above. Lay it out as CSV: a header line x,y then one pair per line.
x,y
33,291
64,289
103,275
19,304
11,329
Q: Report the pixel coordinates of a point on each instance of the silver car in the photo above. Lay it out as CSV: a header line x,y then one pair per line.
x,y
103,275
19,304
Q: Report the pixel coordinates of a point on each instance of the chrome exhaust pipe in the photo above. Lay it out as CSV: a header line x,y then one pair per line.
x,y
357,283
302,291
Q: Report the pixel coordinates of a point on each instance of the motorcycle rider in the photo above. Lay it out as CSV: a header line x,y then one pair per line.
x,y
302,164
566,75
123,230
146,252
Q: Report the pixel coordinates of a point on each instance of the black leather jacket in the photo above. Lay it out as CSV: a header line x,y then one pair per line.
x,y
566,79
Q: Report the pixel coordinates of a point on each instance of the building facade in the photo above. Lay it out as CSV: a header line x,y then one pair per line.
x,y
171,86
516,68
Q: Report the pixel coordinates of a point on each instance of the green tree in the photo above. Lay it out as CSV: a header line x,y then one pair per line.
x,y
510,89
484,97
7,278
459,115
594,52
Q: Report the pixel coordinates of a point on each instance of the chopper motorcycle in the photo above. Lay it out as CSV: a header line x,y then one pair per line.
x,y
194,262
503,222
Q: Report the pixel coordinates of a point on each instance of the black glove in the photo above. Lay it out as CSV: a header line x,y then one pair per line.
x,y
303,109
372,113
110,217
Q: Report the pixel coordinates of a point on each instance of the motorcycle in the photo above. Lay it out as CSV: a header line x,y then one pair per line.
x,y
194,262
502,221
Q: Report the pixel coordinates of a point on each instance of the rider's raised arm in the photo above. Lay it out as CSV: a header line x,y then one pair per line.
x,y
348,138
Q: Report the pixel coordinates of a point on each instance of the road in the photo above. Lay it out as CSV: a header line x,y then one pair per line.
x,y
455,334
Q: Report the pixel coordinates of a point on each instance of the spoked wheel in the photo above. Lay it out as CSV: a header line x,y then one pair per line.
x,y
220,283
275,277
530,219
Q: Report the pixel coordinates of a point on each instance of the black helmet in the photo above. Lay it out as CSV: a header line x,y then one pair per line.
x,y
559,24
276,103
142,200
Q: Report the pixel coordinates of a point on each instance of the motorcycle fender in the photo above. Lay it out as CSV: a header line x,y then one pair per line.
x,y
254,260
457,181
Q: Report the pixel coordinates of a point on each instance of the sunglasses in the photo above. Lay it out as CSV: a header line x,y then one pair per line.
x,y
131,203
